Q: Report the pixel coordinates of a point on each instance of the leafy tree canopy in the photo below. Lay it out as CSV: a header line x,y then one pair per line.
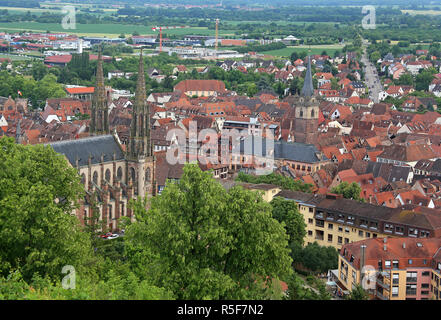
x,y
203,242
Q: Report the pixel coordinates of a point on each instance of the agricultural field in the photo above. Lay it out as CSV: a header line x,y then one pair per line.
x,y
14,10
110,30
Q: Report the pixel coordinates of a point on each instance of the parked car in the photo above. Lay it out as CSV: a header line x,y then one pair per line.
x,y
113,236
105,236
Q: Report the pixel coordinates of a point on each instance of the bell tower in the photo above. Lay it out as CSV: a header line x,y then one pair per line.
x,y
100,111
141,161
306,112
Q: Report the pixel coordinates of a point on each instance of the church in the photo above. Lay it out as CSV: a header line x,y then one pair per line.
x,y
111,175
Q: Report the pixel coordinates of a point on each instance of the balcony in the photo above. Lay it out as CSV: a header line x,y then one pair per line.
x,y
320,223
319,215
381,296
383,283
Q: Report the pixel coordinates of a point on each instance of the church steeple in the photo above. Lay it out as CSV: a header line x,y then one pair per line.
x,y
308,87
140,142
306,112
100,110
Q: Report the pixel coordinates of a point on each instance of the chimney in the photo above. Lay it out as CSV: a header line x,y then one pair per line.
x,y
385,240
384,247
404,245
362,259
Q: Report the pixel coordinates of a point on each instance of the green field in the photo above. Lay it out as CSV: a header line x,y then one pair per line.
x,y
103,29
13,57
15,10
282,23
318,49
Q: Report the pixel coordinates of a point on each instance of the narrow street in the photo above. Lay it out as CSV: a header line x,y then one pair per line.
x,y
371,76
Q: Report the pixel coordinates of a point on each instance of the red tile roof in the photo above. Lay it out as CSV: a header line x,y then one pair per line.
x,y
84,90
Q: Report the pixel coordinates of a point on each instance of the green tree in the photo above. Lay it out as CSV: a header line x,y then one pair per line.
x,y
203,242
423,79
375,56
314,257
349,191
405,79
39,70
38,192
251,90
294,56
334,84
357,293
287,212
275,179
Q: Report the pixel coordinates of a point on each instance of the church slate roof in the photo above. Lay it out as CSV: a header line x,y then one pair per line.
x,y
296,151
81,149
292,151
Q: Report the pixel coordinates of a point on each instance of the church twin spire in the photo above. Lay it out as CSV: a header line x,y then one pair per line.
x,y
140,141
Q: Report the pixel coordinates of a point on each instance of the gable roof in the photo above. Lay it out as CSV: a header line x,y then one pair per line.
x,y
93,147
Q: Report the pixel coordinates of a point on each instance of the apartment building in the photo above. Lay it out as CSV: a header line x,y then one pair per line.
x,y
334,221
397,268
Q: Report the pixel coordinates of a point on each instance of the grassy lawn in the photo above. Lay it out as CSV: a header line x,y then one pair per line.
x,y
34,54
13,57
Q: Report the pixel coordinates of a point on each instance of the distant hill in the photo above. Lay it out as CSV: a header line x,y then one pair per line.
x,y
229,3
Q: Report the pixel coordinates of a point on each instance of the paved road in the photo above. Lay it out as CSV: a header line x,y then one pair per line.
x,y
371,78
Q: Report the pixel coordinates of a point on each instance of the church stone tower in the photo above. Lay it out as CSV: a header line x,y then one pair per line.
x,y
306,112
141,162
100,111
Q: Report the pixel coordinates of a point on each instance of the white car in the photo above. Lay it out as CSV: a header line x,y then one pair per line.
x,y
113,236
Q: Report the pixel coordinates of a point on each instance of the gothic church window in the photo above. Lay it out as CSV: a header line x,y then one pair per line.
x,y
132,175
108,175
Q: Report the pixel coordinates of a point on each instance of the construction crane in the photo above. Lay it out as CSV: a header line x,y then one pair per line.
x,y
217,35
165,28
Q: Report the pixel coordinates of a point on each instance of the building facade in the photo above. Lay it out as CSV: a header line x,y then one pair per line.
x,y
334,221
397,268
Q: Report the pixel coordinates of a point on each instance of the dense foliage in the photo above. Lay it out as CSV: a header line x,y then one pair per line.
x,y
314,257
203,242
349,191
287,212
275,179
